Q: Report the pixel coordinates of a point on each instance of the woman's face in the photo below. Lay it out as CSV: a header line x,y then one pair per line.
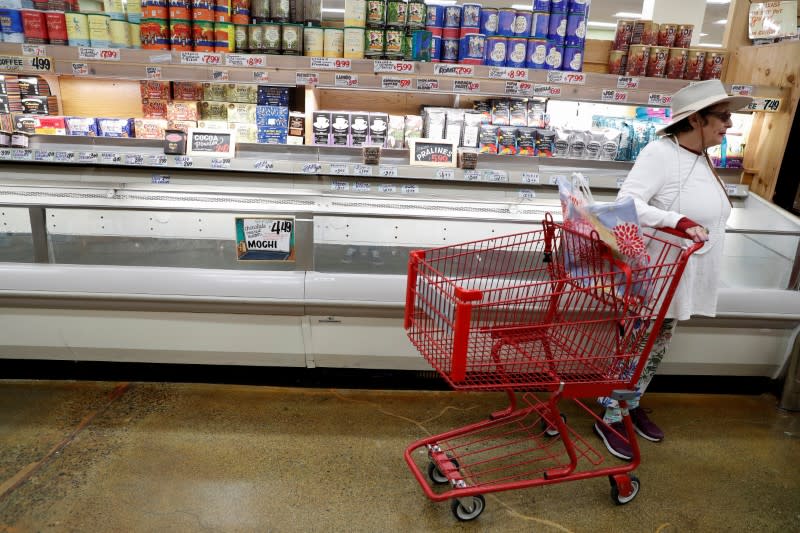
x,y
717,122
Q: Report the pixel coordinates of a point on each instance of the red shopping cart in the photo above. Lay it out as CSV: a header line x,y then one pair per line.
x,y
513,314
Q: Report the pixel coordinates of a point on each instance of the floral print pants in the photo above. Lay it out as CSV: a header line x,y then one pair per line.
x,y
613,412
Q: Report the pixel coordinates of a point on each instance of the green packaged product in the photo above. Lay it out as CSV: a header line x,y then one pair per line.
x,y
396,14
376,13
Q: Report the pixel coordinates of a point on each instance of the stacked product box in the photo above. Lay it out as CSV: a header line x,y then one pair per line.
x,y
345,128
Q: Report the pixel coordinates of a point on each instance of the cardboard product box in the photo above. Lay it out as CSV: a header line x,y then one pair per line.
x,y
359,129
269,95
81,127
297,124
115,127
4,107
518,112
214,92
154,90
470,136
50,126
36,105
395,133
272,135
181,125
29,86
340,128
24,123
321,128
150,128
212,124
187,90
501,112
241,113
245,133
378,128
413,128
242,93
272,116
155,108
295,140
182,111
210,110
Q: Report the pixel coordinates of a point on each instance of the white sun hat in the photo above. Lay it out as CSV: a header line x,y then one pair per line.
x,y
702,94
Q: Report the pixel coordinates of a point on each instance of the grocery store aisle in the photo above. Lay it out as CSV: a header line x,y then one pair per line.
x,y
102,456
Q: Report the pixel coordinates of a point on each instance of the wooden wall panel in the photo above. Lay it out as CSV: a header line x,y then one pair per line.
x,y
100,98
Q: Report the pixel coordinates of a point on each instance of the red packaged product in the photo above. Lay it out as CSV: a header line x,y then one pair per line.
x,y
56,27
152,89
34,25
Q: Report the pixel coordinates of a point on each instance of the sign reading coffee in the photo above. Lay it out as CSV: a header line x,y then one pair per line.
x,y
432,153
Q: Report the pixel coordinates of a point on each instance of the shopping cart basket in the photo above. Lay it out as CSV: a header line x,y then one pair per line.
x,y
513,313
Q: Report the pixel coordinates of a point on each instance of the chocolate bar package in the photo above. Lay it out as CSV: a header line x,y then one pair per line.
x,y
526,141
470,137
245,133
272,116
35,105
115,127
321,128
50,126
242,113
488,139
378,128
359,129
485,109
155,90
507,140
182,111
501,112
537,117
24,123
187,90
150,128
241,93
518,112
212,125
29,87
155,108
210,110
340,128
413,128
395,134
81,127
4,108
214,92
545,139
269,95
181,125
297,124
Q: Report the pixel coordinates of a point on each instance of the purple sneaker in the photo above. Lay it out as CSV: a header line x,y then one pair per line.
x,y
644,426
617,446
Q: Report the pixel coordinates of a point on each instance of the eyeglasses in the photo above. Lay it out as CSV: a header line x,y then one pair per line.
x,y
724,116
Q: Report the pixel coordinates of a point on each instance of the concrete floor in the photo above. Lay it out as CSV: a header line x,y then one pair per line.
x,y
99,456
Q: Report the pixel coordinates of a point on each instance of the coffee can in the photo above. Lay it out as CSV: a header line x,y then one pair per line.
x,y
154,34
353,40
180,35
473,46
541,5
645,32
540,24
450,48
496,51
713,65
656,62
463,32
34,25
557,31
522,24
255,37
224,37
573,58
240,37
203,36
272,37
374,42
471,16
333,42
622,38
559,6
434,15
240,12
100,30
517,51
578,6
488,21
436,49
120,34
576,29
396,13
292,39
452,16
77,29
56,27
638,57
506,17
694,64
666,35
537,54
135,29
355,13
676,63
313,42
617,60
683,35
555,55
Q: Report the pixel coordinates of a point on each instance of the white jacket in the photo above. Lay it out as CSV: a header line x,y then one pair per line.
x,y
668,182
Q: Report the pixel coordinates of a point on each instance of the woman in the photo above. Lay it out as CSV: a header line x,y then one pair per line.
x,y
674,185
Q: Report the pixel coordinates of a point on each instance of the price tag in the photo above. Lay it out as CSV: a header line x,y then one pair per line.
x,y
385,65
466,86
98,54
554,179
520,88
339,169
627,82
201,58
362,170
220,163
427,84
21,154
345,80
312,168
157,160
152,73
505,73
134,159
495,176
264,164
37,63
260,76
40,64
459,71
64,157
88,157
306,78
80,69
768,105
731,190
472,175
159,179
110,158
183,161
246,60
445,174
43,155
410,189
530,178
546,90
659,99
568,78
613,96
340,186
742,90
620,181
34,50
394,83
526,194
387,188
330,63
361,187
219,75
5,153
387,171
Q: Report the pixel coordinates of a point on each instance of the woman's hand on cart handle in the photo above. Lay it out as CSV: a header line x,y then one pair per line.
x,y
689,229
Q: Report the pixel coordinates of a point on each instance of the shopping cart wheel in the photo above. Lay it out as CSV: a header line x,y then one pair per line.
x,y
617,483
436,475
469,508
552,431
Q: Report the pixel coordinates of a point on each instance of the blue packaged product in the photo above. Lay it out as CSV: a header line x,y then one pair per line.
x,y
471,16
436,48
517,52
537,54
115,127
555,55
452,16
271,116
269,95
473,46
496,51
435,16
489,21
11,21
576,29
573,58
559,6
450,49
421,45
540,24
522,24
79,126
557,31
506,18
541,5
578,6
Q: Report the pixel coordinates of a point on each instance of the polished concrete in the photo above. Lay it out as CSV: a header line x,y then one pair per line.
x,y
102,456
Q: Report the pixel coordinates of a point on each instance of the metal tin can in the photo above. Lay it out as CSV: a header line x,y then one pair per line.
x,y
473,46
577,6
240,11
154,34
224,37
180,12
255,37
451,33
202,10
393,42
355,13
436,49
313,42
120,34
576,29
676,63
557,31
376,13
416,14
272,34
522,23
555,55
617,60
56,27
489,21
573,58
292,39
114,9
280,10
203,35
714,63
434,15
34,26
541,5
517,51
496,50
133,9
435,31
333,42
506,17
558,6
622,38
683,35
637,58
99,30
471,16
396,13
452,16
353,42
155,11
540,24
180,35
463,32
241,43
644,32
536,54
222,10
259,10
694,64
657,61
374,43
450,48
77,29
666,35
135,29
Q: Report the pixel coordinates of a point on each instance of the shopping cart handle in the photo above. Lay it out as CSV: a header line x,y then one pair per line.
x,y
683,235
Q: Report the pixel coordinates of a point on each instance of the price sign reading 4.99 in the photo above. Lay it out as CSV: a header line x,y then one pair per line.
x,y
265,239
